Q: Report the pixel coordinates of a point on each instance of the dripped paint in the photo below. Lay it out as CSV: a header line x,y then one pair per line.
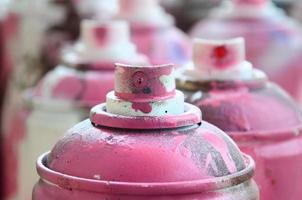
x,y
273,42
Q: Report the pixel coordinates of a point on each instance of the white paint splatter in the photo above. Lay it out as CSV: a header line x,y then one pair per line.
x,y
168,82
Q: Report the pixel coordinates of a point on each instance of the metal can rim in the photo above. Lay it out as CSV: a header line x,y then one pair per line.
x,y
134,188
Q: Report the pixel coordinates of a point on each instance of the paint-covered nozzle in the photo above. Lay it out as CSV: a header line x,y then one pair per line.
x,y
104,42
221,60
100,46
145,91
144,12
209,55
97,35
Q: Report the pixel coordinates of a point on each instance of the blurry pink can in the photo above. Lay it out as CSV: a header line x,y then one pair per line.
x,y
63,97
257,114
274,41
145,143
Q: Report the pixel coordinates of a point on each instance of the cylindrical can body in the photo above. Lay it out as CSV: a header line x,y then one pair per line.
x,y
266,124
278,164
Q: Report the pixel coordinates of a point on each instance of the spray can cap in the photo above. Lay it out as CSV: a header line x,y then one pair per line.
x,y
145,91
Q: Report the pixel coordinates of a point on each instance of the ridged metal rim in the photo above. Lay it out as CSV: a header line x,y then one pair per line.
x,y
100,117
169,188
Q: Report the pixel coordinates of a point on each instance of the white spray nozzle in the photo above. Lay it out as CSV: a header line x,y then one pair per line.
x,y
97,35
218,54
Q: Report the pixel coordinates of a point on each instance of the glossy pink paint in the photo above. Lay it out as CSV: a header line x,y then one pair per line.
x,y
113,156
266,124
269,35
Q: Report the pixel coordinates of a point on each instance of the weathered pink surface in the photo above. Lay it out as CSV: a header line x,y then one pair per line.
x,y
147,156
152,166
267,125
270,38
127,164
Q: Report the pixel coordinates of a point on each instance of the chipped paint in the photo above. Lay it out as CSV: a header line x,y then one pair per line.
x,y
168,81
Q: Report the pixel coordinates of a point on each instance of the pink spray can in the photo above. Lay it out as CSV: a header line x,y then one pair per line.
x,y
274,41
154,33
67,30
256,113
145,143
63,97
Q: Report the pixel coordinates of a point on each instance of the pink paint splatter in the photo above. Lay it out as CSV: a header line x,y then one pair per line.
x,y
143,107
